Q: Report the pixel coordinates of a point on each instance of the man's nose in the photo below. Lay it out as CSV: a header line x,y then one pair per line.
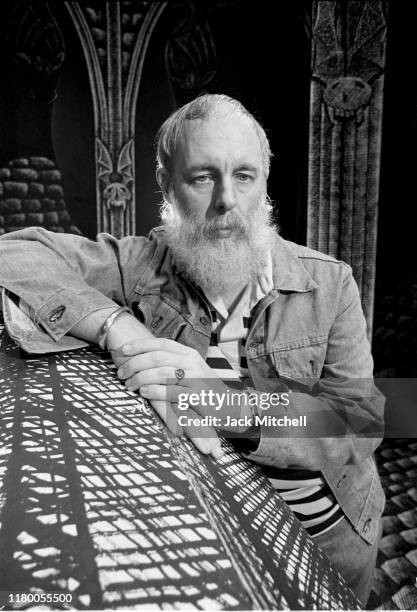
x,y
225,196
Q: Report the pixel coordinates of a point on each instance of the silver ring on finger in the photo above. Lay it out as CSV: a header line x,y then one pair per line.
x,y
179,375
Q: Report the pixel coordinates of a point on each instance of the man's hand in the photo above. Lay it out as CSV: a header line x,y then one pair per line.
x,y
151,366
127,328
204,438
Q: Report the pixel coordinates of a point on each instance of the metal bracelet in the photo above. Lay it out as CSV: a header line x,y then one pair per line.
x,y
104,329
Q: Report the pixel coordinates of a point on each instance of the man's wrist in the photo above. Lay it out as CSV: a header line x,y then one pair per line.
x,y
89,326
106,327
125,328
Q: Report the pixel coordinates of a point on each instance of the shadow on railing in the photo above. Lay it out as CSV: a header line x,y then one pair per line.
x,y
98,501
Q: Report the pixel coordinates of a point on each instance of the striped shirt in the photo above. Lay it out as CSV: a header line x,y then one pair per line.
x,y
305,491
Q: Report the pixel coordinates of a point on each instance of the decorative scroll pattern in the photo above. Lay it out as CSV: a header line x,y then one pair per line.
x,y
348,58
115,37
37,45
190,53
97,500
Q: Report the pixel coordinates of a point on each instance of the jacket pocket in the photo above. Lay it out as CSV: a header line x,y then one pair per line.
x,y
158,317
301,360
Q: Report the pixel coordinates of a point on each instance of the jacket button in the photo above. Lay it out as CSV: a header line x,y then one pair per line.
x,y
155,323
57,314
204,320
367,525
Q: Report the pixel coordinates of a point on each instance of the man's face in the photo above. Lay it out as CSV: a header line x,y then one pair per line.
x,y
216,214
217,173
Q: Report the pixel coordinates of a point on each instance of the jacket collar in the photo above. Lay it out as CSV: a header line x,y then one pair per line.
x,y
288,272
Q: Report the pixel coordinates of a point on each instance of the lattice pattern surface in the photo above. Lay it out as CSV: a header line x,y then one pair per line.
x,y
96,499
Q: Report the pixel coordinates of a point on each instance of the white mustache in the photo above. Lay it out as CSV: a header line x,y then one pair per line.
x,y
230,221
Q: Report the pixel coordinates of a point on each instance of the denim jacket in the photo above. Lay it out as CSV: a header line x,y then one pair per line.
x,y
309,330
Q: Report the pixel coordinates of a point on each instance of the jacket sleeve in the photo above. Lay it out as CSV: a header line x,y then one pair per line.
x,y
344,410
63,277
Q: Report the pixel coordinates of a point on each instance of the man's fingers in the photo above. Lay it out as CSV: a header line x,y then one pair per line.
x,y
176,394
170,393
184,399
203,437
150,361
217,451
165,411
208,446
157,376
145,345
118,358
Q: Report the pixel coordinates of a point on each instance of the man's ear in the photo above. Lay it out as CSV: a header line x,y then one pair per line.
x,y
164,181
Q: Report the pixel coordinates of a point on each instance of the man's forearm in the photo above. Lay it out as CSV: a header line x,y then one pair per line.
x,y
125,328
62,278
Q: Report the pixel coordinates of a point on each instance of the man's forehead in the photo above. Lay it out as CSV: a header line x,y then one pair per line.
x,y
231,134
226,125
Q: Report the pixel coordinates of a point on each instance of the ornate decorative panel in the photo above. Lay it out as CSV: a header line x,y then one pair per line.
x,y
348,60
114,37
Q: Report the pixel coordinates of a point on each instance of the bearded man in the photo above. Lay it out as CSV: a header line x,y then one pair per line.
x,y
218,298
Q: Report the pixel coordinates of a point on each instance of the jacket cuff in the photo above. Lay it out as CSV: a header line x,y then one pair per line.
x,y
274,444
30,335
271,451
66,308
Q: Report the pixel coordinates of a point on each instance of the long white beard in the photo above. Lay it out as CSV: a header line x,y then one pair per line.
x,y
220,265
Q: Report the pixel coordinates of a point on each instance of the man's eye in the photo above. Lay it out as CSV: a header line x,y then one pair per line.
x,y
201,180
243,178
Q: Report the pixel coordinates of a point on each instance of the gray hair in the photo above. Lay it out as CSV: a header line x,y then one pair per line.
x,y
203,107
